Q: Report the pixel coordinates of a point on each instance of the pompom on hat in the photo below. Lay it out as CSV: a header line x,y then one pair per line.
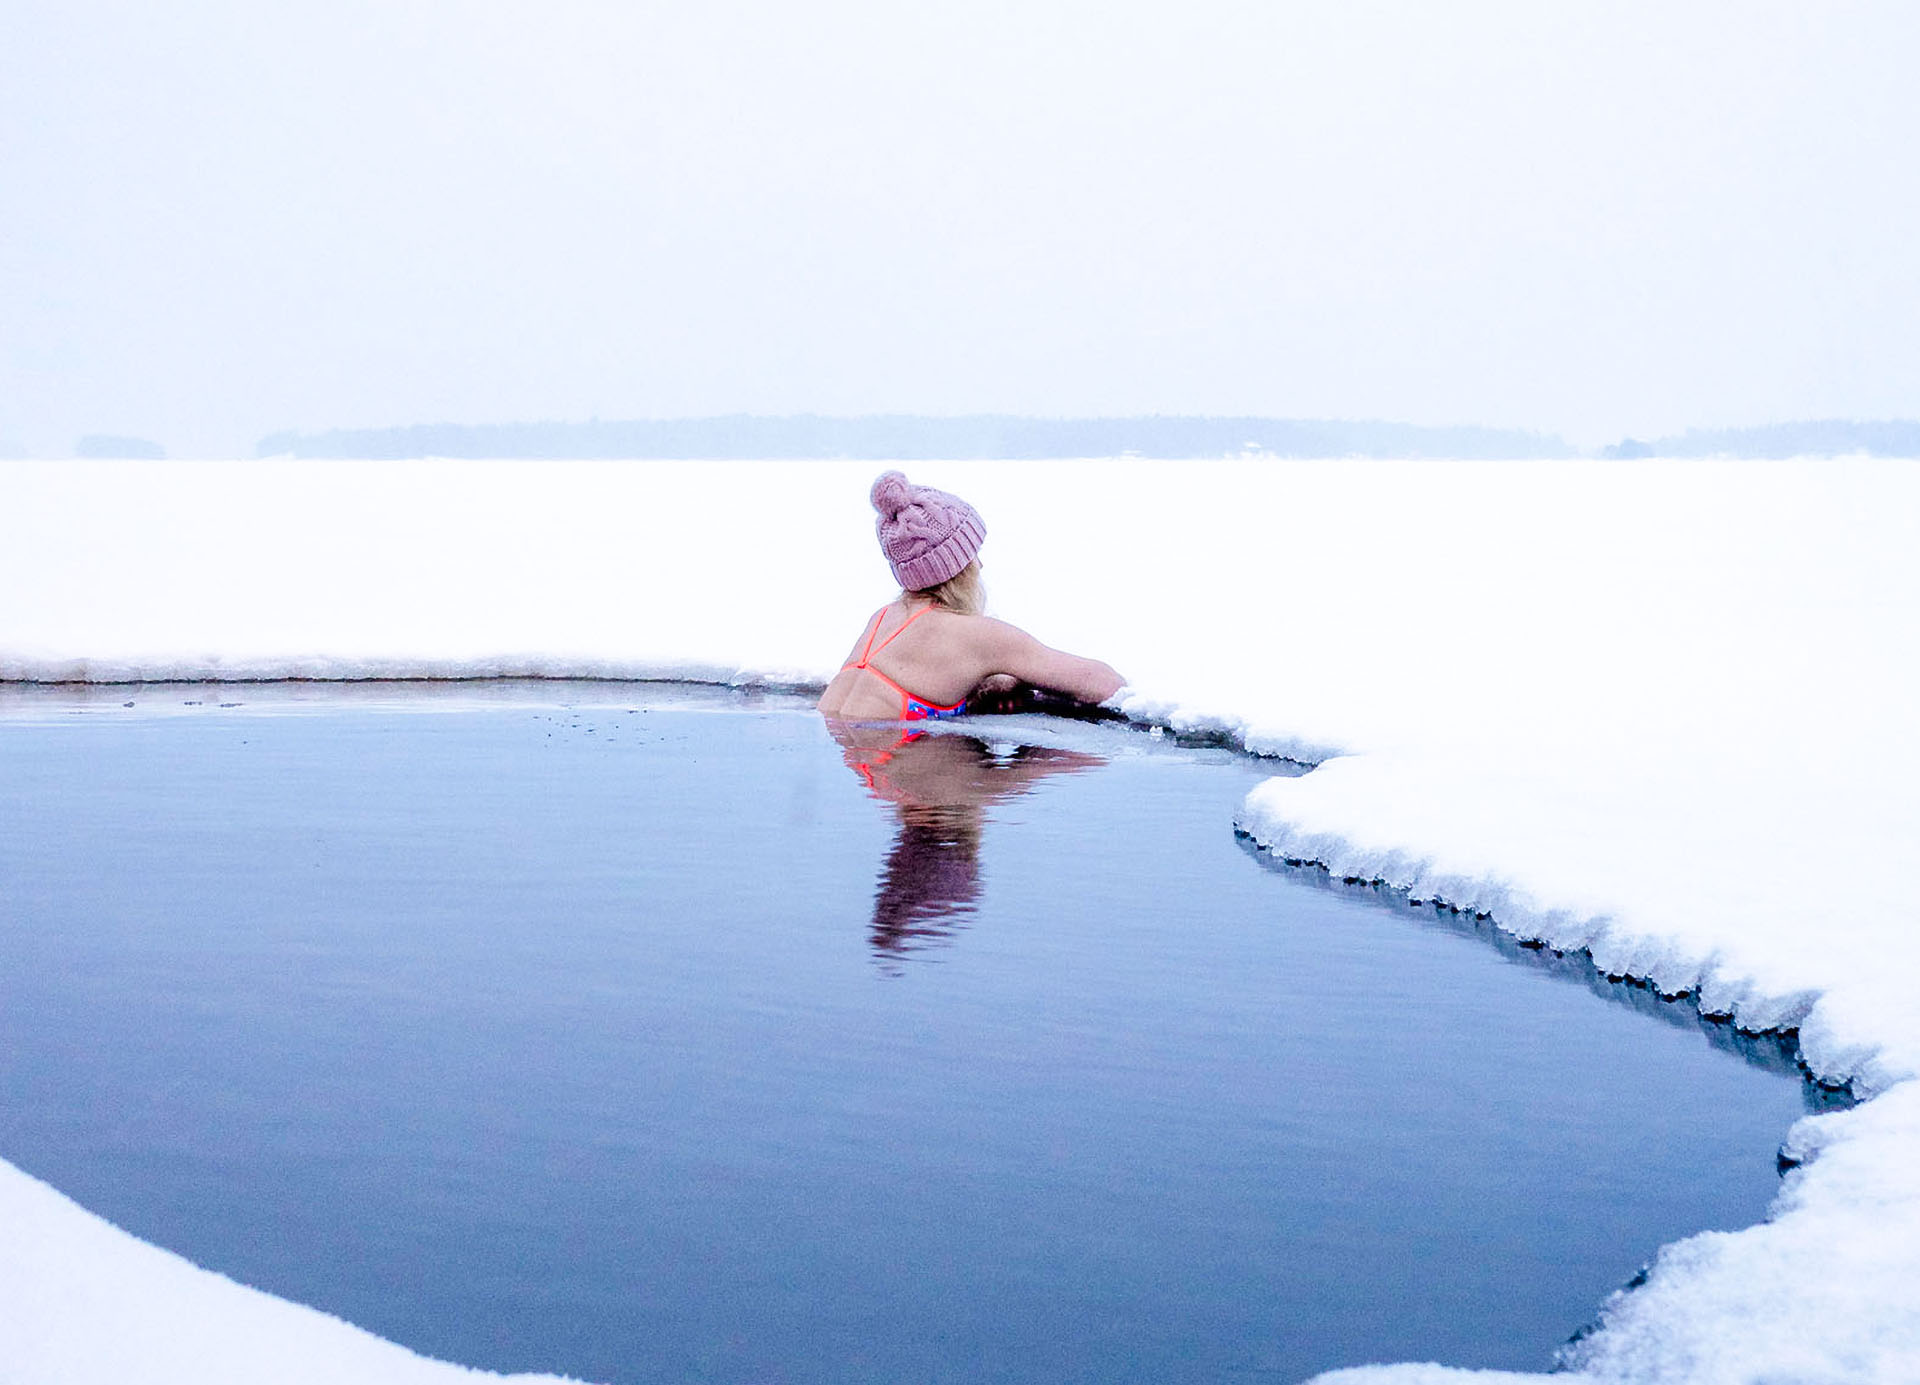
x,y
927,535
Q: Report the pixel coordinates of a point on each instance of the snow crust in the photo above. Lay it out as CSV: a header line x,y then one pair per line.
x,y
81,1300
1656,711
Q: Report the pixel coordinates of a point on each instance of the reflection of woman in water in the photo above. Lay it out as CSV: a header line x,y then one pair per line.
x,y
931,649
940,787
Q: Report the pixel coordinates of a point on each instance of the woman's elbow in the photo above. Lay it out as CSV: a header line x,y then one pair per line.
x,y
1102,682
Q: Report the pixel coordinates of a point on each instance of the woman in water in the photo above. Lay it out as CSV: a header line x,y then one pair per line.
x,y
932,650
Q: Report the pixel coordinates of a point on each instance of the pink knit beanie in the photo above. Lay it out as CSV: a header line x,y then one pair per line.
x,y
927,535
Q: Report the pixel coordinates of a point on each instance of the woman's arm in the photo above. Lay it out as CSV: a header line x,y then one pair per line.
x,y
1008,649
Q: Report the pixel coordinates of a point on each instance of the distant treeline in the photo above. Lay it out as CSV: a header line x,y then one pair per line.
x,y
907,437
114,445
1825,437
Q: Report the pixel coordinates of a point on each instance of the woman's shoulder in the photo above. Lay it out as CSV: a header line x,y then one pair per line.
x,y
992,628
987,639
965,623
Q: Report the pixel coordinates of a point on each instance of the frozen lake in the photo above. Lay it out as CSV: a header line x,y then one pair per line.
x,y
647,1034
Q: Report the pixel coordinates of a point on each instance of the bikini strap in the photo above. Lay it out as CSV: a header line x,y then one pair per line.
x,y
871,651
874,634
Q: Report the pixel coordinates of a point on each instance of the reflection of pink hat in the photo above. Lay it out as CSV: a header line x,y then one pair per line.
x,y
927,535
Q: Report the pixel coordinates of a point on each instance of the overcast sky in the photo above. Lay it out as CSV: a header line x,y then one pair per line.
x,y
220,219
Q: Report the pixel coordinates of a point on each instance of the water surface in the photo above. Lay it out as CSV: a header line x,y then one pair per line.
x,y
648,1035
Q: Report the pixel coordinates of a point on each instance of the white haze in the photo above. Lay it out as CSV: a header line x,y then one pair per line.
x,y
226,218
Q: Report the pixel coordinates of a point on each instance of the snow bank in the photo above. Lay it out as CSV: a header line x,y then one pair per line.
x,y
83,1301
1652,710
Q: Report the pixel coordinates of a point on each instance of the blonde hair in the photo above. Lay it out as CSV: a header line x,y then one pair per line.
x,y
963,593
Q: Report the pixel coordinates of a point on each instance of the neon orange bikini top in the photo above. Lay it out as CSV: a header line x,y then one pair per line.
x,y
912,707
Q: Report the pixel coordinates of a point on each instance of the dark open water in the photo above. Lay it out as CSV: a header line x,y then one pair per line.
x,y
658,1037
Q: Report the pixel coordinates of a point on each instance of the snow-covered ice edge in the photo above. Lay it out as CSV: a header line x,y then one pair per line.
x,y
1774,1302
82,1301
1657,711
313,668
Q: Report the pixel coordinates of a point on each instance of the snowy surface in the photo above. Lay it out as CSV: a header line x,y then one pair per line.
x,y
82,1301
1658,711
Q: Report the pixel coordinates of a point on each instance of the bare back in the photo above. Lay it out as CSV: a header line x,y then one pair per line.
x,y
915,649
